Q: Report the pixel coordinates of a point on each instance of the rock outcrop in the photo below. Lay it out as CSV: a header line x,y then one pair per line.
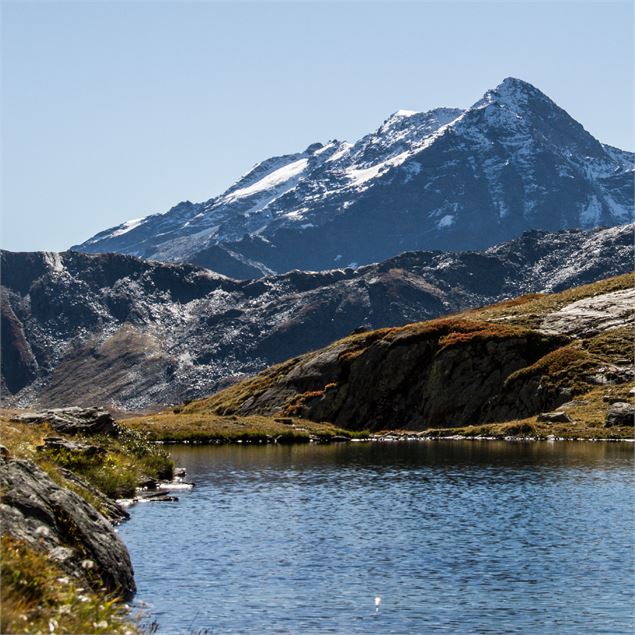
x,y
593,315
37,510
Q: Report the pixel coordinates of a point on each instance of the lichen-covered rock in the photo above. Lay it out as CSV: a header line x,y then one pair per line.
x,y
113,511
593,315
620,413
75,420
37,510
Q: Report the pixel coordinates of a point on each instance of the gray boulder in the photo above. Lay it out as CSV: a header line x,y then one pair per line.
x,y
620,413
554,417
113,511
75,420
59,443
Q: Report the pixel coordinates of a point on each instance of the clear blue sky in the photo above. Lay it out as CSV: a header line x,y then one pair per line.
x,y
114,110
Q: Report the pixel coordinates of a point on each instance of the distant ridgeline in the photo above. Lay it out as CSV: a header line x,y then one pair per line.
x,y
446,179
116,330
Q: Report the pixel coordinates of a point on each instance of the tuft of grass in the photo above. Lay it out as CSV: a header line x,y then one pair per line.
x,y
296,404
613,346
118,470
22,440
566,367
349,356
39,597
523,428
483,333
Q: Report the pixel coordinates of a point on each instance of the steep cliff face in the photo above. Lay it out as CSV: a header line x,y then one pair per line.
x,y
120,331
499,363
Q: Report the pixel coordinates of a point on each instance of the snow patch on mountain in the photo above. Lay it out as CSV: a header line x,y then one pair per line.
x,y
287,173
129,225
590,215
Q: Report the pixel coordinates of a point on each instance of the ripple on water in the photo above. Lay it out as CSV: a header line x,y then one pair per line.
x,y
456,537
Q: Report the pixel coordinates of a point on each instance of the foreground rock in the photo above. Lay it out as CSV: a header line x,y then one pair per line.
x,y
38,511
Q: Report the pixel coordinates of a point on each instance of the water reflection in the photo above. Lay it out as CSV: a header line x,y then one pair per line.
x,y
455,536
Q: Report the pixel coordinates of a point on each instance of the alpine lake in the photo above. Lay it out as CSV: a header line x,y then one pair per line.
x,y
444,536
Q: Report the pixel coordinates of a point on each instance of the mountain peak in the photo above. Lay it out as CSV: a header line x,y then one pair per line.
x,y
404,113
521,161
516,84
512,92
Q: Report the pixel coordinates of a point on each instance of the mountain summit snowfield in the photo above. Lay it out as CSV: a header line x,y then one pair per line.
x,y
447,179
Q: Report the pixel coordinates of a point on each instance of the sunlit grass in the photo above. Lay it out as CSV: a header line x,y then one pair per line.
x,y
39,597
210,428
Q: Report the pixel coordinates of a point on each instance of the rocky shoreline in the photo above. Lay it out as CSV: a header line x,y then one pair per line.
x,y
60,473
391,437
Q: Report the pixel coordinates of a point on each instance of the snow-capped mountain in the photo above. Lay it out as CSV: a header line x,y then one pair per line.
x,y
446,179
113,329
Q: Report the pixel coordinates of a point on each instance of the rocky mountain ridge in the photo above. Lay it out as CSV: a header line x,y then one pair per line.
x,y
80,329
505,362
446,179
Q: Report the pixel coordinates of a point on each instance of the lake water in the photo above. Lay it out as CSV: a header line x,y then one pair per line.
x,y
454,536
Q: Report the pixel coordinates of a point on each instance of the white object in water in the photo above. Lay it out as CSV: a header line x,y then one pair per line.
x,y
377,603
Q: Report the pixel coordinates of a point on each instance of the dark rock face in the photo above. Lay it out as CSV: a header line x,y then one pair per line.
x,y
37,510
19,366
415,378
128,333
446,179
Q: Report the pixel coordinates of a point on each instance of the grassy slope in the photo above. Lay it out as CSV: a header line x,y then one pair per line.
x,y
170,427
568,367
